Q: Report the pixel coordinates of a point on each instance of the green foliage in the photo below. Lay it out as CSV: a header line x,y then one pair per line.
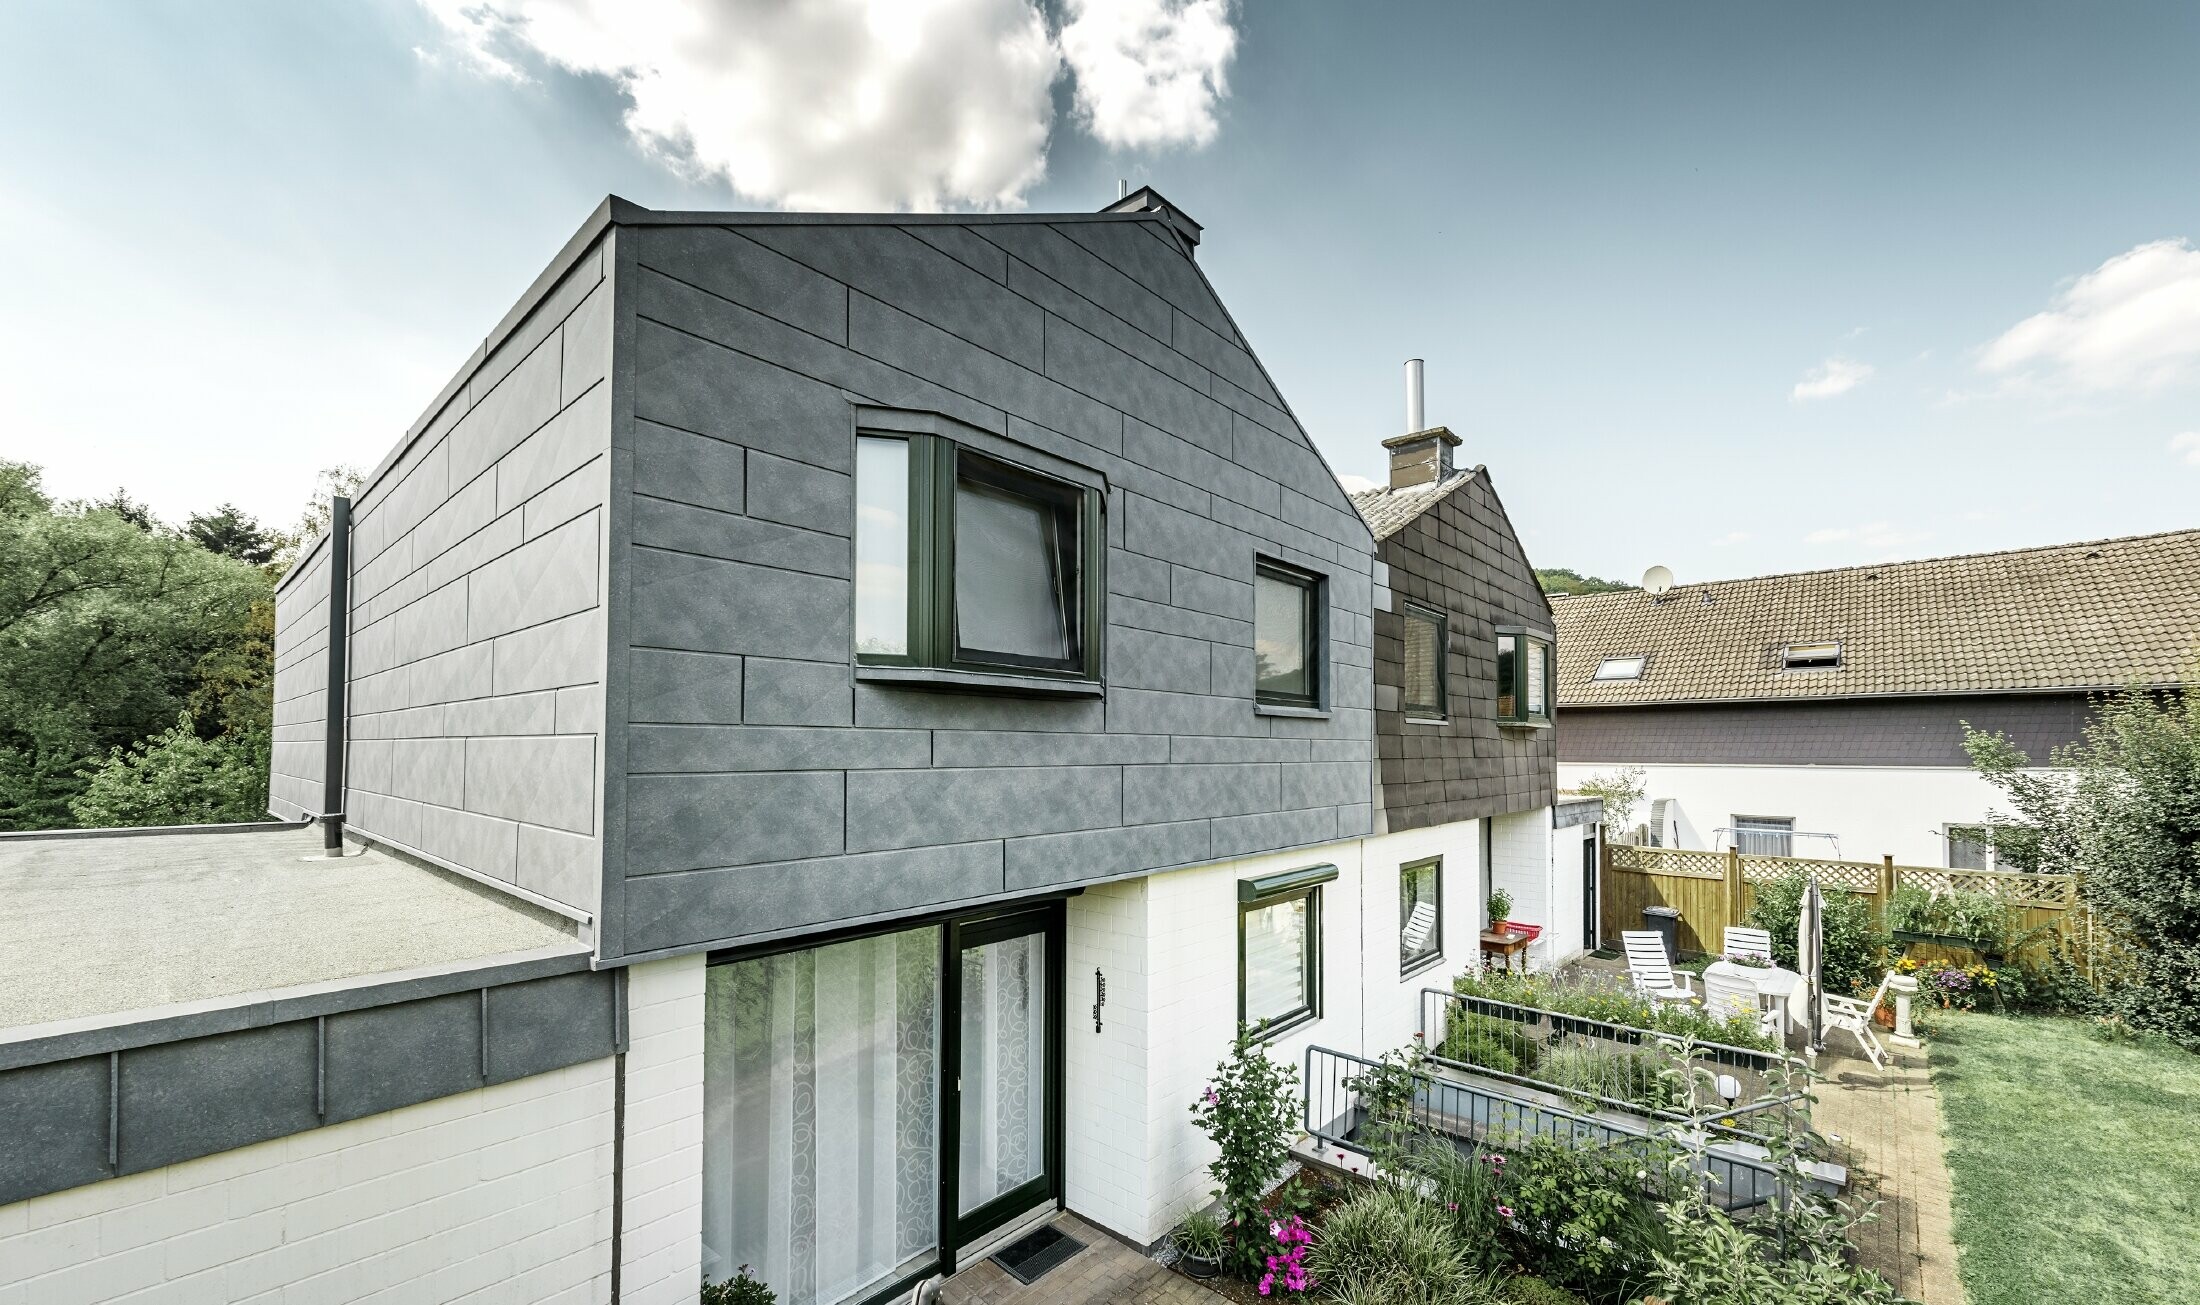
x,y
1579,1216
1530,1290
1622,790
1979,918
1613,1004
1642,1078
740,1289
109,628
1491,1043
1201,1234
1855,952
1499,906
176,778
1388,1246
1561,580
1250,1110
2121,811
231,532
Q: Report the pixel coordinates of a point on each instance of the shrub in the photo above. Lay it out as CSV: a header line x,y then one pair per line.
x,y
1528,1290
1610,1003
1855,950
1250,1111
1200,1234
1979,918
740,1289
1580,1217
1389,1246
176,778
1491,1043
1639,1077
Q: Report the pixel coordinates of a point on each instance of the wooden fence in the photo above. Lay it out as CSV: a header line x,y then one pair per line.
x,y
1712,890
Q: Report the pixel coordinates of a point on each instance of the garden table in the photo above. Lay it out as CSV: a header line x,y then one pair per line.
x,y
1506,945
1775,987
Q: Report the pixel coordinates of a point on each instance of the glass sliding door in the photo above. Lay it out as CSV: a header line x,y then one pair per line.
x,y
821,1116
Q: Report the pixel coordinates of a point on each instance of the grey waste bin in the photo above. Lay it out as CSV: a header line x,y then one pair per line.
x,y
1665,922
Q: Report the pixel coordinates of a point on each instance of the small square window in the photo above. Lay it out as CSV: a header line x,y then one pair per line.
x,y
1764,835
1279,948
1286,636
1426,638
1420,913
1524,676
968,562
1622,668
1970,847
1811,656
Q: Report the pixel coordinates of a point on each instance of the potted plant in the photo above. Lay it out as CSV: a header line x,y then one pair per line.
x,y
1200,1240
1500,908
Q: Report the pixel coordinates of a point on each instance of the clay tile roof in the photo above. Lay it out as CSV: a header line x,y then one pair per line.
x,y
1388,511
2072,616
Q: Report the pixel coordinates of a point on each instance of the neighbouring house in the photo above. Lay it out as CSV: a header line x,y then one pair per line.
x,y
1822,713
869,703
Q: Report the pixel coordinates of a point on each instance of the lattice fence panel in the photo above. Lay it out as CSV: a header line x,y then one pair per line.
x,y
2050,892
1854,876
1669,861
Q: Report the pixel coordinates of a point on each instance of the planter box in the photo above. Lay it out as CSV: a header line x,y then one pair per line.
x,y
1991,955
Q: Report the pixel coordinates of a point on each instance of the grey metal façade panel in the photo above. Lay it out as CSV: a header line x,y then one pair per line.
x,y
534,1025
56,1128
685,687
684,910
181,1100
389,1056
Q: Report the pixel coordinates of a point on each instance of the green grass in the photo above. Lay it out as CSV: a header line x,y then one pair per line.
x,y
2076,1162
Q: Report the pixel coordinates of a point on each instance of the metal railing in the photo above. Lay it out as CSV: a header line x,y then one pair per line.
x,y
1338,1113
1595,1064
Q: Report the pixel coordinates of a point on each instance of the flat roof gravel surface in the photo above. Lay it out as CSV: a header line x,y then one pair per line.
x,y
105,925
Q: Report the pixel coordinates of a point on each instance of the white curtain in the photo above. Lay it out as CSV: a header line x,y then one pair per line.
x,y
1003,1069
821,1116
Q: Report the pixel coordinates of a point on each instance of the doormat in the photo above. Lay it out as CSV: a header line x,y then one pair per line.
x,y
1027,1259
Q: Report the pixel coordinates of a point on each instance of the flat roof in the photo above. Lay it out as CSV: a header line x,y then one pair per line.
x,y
113,925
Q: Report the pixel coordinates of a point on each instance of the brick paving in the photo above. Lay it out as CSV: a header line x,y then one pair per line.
x,y
1106,1270
1890,1121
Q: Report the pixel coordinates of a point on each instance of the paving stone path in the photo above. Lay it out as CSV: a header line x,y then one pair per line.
x,y
1106,1270
1891,1120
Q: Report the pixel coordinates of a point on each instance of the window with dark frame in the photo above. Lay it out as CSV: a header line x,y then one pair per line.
x,y
1420,913
1426,638
1279,948
965,561
1526,670
1287,663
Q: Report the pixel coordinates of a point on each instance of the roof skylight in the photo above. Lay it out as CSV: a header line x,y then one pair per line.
x,y
1811,656
1622,668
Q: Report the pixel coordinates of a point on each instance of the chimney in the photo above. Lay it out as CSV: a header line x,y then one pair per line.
x,y
1422,455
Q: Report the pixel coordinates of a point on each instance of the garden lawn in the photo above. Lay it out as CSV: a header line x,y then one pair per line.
x,y
2076,1162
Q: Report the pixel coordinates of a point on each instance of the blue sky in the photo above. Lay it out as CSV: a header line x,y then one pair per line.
x,y
1734,288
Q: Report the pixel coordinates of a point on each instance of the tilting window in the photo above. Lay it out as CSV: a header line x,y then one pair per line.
x,y
1420,913
1811,656
1279,947
1426,636
1621,668
1287,605
1970,847
969,562
1524,677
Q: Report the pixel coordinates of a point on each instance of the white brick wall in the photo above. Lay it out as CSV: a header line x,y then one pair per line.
x,y
1566,937
1392,1000
498,1195
1520,863
1106,1175
661,1232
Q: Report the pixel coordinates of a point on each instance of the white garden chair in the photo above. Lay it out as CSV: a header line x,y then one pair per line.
x,y
1726,995
1855,1015
1651,971
1748,942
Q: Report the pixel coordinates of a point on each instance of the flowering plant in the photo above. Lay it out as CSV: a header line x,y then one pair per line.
x,y
1250,1110
1287,1265
1753,960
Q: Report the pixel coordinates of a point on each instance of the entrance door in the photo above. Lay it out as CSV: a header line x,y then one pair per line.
x,y
1589,890
1004,1030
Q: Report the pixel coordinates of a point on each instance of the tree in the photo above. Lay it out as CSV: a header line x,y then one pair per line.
x,y
231,532
1621,790
1559,580
2120,811
107,632
343,480
177,778
120,504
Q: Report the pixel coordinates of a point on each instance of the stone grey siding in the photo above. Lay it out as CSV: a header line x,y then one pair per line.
x,y
1462,557
298,761
760,788
1860,732
478,617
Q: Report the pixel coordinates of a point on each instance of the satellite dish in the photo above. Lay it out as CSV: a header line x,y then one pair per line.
x,y
1657,580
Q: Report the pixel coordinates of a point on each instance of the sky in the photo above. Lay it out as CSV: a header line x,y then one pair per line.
x,y
1732,288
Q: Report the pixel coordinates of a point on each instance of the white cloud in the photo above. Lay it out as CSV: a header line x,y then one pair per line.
x,y
1836,375
1879,536
1148,72
865,104
831,104
2131,323
2186,448
1356,484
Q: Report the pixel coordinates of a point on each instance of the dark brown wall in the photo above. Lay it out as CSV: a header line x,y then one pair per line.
x,y
1460,556
1888,732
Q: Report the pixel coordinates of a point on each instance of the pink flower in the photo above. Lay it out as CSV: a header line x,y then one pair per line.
x,y
1267,1283
1504,1212
1452,1206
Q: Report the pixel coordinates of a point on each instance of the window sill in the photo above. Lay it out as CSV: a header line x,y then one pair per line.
x,y
1428,962
1276,1028
1505,724
1302,713
1436,721
941,678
